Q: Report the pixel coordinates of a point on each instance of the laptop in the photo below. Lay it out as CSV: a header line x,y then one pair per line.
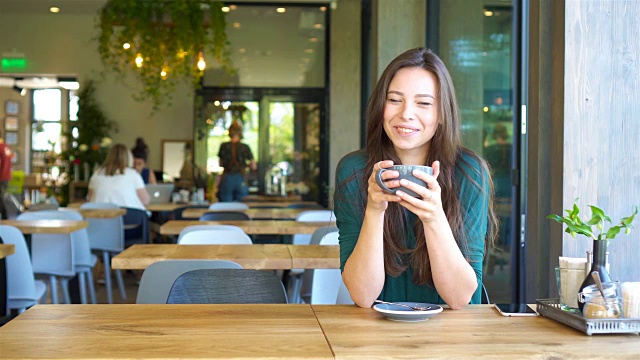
x,y
159,193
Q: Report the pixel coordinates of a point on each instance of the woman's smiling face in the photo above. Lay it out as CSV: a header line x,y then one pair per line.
x,y
411,113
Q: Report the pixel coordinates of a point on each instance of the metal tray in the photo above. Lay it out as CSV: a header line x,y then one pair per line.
x,y
551,308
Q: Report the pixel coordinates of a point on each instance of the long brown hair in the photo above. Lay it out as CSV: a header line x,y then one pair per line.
x,y
445,147
118,159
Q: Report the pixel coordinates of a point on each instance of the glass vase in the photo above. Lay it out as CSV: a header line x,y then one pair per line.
x,y
599,264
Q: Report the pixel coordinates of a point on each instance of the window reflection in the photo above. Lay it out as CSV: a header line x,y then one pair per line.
x,y
47,105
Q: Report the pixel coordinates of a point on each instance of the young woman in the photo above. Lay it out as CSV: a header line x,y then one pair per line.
x,y
116,182
234,157
402,248
140,153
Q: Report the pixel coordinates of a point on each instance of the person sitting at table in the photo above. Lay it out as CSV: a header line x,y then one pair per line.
x,y
402,248
140,154
116,182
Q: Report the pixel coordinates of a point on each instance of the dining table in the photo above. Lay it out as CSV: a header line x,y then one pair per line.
x,y
275,331
250,227
256,256
5,250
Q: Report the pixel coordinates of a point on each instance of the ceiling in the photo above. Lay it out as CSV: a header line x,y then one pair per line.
x,y
268,49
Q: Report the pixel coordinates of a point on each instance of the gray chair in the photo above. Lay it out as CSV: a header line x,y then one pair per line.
x,y
307,274
136,227
159,277
229,206
23,290
224,215
227,286
107,237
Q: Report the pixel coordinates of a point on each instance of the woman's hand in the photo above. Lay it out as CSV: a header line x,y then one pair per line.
x,y
430,206
379,200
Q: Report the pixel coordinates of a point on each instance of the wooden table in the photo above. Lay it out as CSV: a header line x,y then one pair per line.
x,y
251,227
272,198
6,250
127,331
28,227
254,214
257,256
477,331
101,213
281,204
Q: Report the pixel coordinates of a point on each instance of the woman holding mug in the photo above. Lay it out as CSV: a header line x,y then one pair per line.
x,y
397,247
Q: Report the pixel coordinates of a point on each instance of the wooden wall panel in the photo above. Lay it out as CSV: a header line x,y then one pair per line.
x,y
602,121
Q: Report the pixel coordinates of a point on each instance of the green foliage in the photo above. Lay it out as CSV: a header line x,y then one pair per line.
x,y
575,225
169,36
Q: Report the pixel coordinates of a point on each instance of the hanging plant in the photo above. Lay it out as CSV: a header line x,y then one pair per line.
x,y
162,42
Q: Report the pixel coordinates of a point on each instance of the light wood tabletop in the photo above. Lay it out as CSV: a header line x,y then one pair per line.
x,y
254,214
282,204
257,256
6,250
272,198
101,213
477,331
251,227
47,226
128,331
314,256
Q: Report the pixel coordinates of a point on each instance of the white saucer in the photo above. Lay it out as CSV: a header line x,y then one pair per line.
x,y
401,313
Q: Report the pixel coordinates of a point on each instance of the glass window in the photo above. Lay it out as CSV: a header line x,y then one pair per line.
x,y
73,105
47,105
46,135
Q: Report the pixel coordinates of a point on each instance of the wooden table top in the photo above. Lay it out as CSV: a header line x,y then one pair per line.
x,y
101,213
281,204
257,256
47,226
272,198
262,256
6,250
477,331
251,227
254,214
314,256
128,331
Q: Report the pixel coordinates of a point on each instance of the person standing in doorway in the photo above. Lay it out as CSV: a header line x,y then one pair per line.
x,y
234,157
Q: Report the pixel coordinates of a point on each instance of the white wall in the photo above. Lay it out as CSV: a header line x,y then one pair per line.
x,y
62,45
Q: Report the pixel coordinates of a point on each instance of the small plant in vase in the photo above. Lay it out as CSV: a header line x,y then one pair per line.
x,y
594,228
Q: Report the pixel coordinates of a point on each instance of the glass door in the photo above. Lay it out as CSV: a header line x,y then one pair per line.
x,y
478,43
283,132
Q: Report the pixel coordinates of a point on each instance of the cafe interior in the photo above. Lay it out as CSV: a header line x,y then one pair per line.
x,y
546,95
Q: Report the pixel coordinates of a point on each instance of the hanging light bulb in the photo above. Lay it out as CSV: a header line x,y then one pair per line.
x,y
126,46
139,60
164,72
201,64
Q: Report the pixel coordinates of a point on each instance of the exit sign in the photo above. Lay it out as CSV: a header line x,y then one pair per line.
x,y
13,63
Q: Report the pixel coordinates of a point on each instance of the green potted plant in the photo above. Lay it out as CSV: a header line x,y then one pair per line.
x,y
162,43
596,229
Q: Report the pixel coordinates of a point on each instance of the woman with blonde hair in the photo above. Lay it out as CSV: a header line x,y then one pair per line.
x,y
117,182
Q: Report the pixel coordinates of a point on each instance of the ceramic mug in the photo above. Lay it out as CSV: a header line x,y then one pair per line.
x,y
406,172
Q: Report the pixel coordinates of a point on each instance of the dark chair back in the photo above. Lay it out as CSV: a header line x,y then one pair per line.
x,y
227,286
304,206
177,213
224,215
136,227
11,206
